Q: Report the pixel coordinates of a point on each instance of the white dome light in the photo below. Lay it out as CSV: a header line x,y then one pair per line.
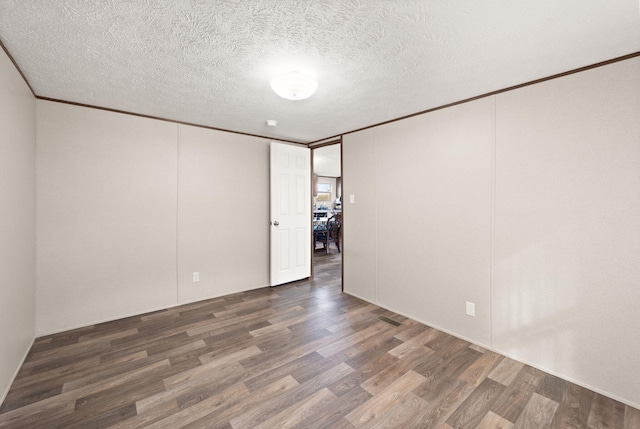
x,y
294,86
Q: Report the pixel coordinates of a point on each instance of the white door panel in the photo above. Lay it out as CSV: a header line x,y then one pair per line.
x,y
290,213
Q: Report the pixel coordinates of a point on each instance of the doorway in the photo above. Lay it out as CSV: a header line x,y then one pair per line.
x,y
327,208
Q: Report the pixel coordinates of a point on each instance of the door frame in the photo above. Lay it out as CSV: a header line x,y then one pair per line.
x,y
337,141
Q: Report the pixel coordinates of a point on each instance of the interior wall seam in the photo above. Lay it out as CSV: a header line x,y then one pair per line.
x,y
492,215
178,138
376,205
36,105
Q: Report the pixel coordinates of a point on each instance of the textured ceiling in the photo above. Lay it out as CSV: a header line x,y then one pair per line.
x,y
209,62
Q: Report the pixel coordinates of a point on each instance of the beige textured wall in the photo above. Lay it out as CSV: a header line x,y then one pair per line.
x,y
223,213
553,246
106,215
360,223
128,208
439,259
17,221
567,227
432,210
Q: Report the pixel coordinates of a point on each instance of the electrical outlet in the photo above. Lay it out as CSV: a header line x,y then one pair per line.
x,y
196,277
471,309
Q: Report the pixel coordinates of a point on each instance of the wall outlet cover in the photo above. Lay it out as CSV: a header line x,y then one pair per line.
x,y
471,309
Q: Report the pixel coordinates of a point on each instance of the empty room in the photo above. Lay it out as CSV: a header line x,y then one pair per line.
x,y
172,257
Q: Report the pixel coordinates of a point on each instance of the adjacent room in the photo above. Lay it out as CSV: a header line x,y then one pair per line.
x,y
453,226
327,201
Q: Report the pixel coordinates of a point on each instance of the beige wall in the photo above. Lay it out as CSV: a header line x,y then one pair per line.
x,y
529,207
360,222
106,210
567,227
129,207
427,188
223,216
17,221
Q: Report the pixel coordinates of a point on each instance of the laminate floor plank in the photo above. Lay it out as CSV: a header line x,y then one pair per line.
x,y
298,411
303,363
39,417
301,355
385,399
273,406
552,387
220,418
201,409
494,421
606,414
190,381
448,400
631,418
68,353
517,393
506,371
476,406
360,375
404,363
416,337
143,419
537,414
332,414
415,330
574,408
346,342
215,326
478,371
59,374
403,414
442,373
108,370
368,350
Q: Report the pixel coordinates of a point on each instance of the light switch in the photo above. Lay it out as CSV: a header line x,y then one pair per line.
x,y
196,277
352,198
471,309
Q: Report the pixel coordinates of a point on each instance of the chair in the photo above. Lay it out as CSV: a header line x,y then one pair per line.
x,y
321,235
335,229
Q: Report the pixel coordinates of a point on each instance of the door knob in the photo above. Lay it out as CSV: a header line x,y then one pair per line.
x,y
276,223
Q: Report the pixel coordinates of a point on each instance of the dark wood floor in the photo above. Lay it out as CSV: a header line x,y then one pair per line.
x,y
302,355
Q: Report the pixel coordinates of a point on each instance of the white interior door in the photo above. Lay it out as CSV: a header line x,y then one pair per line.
x,y
290,213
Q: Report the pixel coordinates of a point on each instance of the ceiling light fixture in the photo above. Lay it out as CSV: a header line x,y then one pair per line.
x,y
294,85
